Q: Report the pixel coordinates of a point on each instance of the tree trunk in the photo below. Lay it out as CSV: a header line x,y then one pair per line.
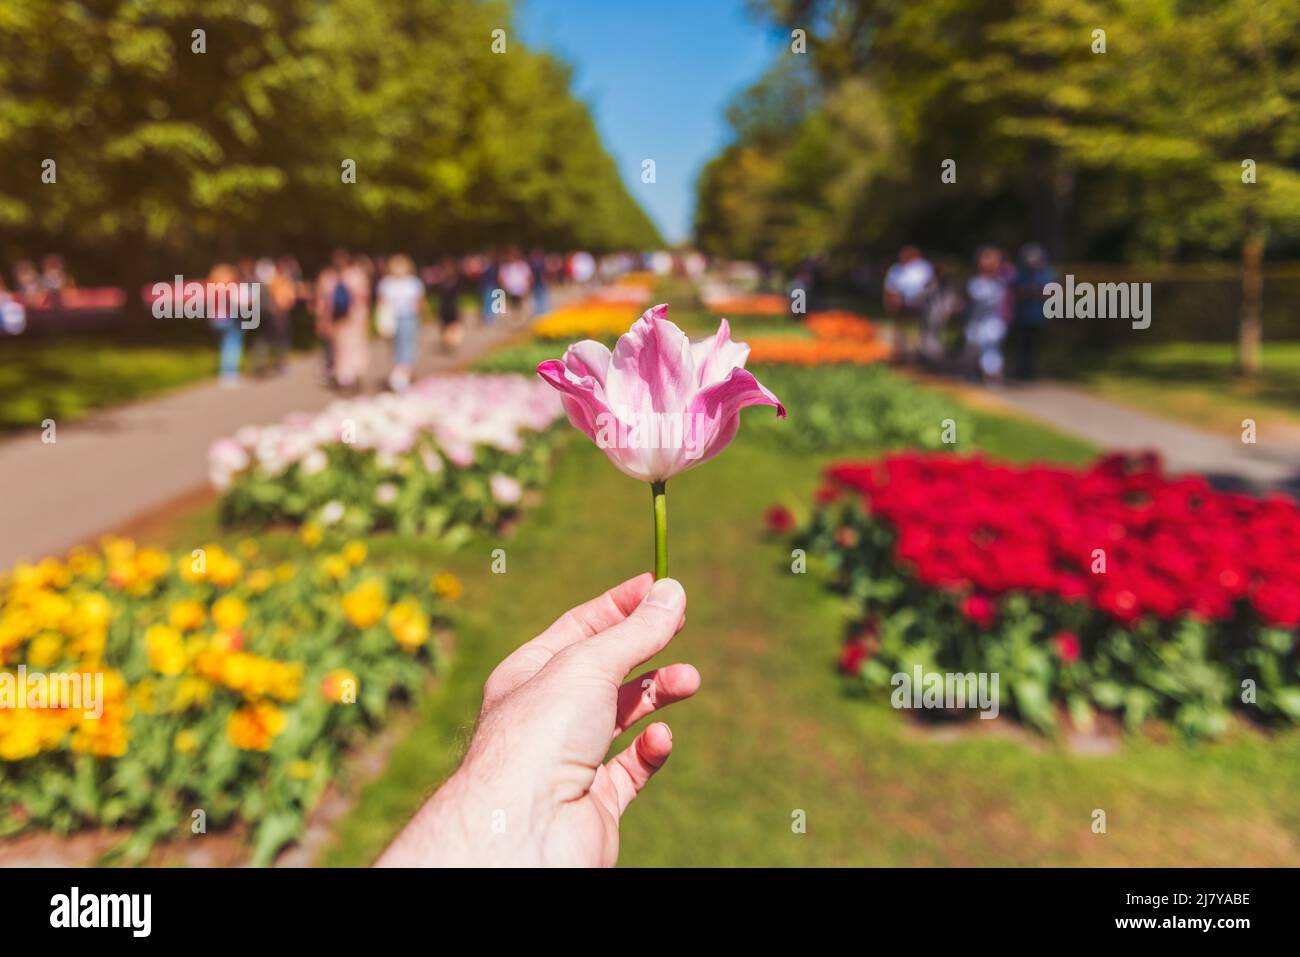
x,y
1252,295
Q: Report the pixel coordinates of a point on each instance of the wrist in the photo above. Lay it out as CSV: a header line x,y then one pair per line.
x,y
473,820
436,836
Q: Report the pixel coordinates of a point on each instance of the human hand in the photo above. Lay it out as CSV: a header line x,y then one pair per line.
x,y
534,788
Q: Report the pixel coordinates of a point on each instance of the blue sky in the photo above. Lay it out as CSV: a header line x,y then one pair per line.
x,y
657,76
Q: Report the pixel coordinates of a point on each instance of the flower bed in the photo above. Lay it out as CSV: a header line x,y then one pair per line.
x,y
230,685
746,304
787,350
840,324
451,455
599,315
840,407
839,338
1112,588
584,319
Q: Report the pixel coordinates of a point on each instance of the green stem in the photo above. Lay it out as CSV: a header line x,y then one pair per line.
x,y
660,499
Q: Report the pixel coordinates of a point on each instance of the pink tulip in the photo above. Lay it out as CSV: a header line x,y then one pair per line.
x,y
659,404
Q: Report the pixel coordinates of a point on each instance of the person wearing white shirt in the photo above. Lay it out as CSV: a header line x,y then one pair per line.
x,y
907,283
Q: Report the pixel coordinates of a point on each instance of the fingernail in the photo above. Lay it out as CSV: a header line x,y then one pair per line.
x,y
667,593
668,729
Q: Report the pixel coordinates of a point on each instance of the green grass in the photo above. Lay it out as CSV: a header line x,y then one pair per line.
x,y
68,377
1197,383
775,730
522,358
1020,440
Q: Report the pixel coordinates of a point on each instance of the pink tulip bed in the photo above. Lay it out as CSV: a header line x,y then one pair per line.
x,y
1113,588
452,455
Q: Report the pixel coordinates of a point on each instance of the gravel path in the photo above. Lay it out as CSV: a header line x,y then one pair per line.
x,y
1272,463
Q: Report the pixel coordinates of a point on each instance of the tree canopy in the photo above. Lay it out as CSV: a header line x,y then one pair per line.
x,y
171,146
1110,129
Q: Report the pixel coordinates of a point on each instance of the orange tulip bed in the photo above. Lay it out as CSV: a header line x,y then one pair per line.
x,y
754,304
840,324
839,337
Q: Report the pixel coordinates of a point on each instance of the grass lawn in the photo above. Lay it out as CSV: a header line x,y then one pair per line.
x,y
1197,383
68,377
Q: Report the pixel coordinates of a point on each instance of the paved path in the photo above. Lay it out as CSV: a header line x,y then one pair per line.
x,y
1271,463
120,463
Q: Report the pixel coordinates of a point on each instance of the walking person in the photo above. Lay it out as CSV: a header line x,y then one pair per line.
x,y
537,264
940,303
402,293
352,326
448,288
489,281
331,305
517,280
13,317
582,267
27,282
276,296
54,280
226,324
287,292
987,319
1033,273
906,283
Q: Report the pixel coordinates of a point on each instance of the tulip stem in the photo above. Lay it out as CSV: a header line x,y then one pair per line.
x,y
659,496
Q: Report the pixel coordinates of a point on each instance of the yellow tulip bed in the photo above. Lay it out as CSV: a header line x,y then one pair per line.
x,y
218,687
601,315
641,278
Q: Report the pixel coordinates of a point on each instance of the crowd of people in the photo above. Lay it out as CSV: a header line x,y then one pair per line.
x,y
937,320
356,296
1000,297
33,288
40,286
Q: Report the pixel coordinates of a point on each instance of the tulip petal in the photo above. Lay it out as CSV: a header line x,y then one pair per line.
x,y
715,412
580,396
588,358
651,369
716,356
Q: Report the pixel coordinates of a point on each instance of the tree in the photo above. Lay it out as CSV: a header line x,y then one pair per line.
x,y
169,154
1194,104
1131,142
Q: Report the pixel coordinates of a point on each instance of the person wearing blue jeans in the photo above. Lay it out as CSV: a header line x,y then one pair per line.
x,y
232,350
537,263
402,292
489,280
229,332
1033,273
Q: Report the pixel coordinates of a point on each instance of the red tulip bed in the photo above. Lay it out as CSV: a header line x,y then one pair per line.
x,y
1113,588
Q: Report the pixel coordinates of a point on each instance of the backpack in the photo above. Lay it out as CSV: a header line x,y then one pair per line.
x,y
342,301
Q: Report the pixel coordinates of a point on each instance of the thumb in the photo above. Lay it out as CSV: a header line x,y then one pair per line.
x,y
645,632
